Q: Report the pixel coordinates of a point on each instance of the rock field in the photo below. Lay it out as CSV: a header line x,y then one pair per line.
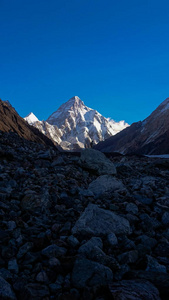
x,y
82,227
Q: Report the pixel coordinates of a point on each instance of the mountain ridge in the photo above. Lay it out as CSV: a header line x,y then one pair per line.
x,y
149,136
10,120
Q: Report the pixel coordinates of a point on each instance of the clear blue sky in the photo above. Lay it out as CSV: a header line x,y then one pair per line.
x,y
114,55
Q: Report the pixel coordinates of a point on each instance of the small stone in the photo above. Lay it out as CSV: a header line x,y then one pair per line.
x,y
73,241
112,239
54,287
54,262
42,277
11,225
13,266
132,208
24,249
129,257
54,251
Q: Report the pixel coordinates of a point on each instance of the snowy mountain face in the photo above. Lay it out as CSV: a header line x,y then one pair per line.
x,y
74,125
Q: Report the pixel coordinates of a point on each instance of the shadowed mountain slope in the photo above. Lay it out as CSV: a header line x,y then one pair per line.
x,y
150,136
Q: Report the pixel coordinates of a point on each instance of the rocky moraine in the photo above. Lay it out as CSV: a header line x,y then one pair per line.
x,y
82,226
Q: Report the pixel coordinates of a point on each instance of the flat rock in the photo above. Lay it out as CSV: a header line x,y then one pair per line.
x,y
89,273
134,289
96,221
105,185
95,160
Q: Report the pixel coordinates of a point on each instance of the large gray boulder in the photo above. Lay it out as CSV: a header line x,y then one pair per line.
x,y
89,273
6,292
105,185
135,290
95,160
96,221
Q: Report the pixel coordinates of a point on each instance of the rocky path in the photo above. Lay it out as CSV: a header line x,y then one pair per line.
x,y
84,227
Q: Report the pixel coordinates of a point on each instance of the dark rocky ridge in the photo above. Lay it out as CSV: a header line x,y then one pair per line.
x,y
121,247
11,121
150,136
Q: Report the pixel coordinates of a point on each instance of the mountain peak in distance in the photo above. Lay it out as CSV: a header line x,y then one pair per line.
x,y
75,126
31,118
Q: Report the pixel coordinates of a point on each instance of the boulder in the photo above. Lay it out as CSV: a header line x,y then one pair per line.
x,y
105,185
96,161
96,221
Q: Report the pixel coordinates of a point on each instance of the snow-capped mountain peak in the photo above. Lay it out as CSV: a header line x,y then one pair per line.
x,y
31,118
74,125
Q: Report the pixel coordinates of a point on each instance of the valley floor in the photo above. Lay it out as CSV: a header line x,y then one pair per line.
x,y
70,231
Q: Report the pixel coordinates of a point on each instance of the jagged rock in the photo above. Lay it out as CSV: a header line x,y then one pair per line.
x,y
6,292
154,266
89,273
96,161
105,185
96,221
134,289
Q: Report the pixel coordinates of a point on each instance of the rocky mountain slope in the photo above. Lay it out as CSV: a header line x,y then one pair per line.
x,y
11,121
150,136
74,125
82,227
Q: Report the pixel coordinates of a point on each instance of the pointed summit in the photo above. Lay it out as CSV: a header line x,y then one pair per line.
x,y
74,101
31,118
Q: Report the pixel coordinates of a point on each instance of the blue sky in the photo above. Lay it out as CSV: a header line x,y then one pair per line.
x,y
114,55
